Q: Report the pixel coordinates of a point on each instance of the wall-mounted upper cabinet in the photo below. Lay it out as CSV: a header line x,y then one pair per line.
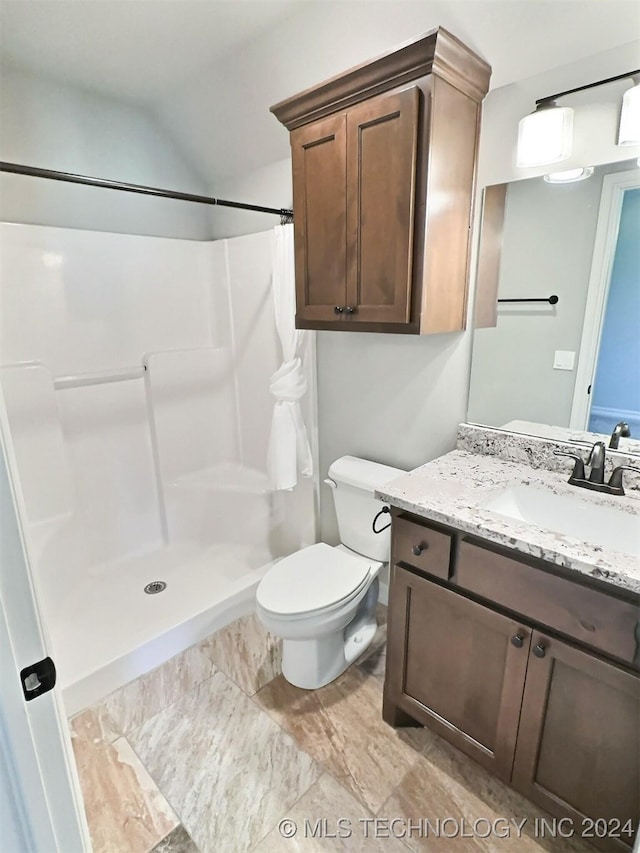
x,y
383,172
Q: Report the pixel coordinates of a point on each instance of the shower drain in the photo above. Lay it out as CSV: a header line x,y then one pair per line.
x,y
155,586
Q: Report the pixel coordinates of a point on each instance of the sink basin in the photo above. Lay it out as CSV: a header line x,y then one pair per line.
x,y
570,516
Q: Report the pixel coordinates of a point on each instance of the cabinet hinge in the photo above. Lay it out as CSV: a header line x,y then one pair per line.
x,y
38,678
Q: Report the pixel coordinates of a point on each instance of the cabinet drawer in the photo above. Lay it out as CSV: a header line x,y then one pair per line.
x,y
587,615
421,546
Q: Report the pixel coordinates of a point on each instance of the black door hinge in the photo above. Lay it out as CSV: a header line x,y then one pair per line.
x,y
38,678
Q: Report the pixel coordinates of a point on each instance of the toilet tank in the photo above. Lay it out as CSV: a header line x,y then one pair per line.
x,y
356,481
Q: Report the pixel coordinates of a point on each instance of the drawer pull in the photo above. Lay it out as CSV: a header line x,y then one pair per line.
x,y
540,650
420,546
517,640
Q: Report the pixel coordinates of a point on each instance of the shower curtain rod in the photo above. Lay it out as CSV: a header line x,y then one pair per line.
x,y
284,213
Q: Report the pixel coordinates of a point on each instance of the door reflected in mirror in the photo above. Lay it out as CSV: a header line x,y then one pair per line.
x,y
573,364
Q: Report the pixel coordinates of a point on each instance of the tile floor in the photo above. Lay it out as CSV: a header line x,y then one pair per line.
x,y
210,752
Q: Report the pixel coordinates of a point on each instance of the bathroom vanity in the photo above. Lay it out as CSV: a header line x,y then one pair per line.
x,y
519,643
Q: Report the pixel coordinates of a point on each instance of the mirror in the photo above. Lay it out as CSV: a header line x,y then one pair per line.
x,y
568,368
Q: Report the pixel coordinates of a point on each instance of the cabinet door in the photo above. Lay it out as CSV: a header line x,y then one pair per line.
x,y
318,153
457,667
382,137
578,750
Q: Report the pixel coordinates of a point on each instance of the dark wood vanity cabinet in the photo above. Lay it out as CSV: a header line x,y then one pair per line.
x,y
383,160
535,676
462,675
578,747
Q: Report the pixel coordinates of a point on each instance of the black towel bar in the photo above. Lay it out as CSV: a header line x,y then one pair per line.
x,y
552,300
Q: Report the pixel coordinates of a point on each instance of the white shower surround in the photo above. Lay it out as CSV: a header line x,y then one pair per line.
x,y
158,478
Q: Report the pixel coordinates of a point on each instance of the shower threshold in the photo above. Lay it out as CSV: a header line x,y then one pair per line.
x,y
105,630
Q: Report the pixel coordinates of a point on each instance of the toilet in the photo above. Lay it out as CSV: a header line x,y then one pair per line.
x,y
322,599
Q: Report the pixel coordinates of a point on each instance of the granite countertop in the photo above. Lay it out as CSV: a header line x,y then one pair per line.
x,y
453,489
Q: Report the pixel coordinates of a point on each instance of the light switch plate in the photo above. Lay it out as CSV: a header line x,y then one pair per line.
x,y
564,360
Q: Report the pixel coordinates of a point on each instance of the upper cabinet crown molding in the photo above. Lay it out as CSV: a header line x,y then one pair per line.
x,y
437,52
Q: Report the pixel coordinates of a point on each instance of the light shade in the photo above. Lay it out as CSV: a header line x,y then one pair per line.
x,y
569,176
545,136
629,133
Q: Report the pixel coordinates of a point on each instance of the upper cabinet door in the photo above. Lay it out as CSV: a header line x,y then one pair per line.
x,y
320,202
382,140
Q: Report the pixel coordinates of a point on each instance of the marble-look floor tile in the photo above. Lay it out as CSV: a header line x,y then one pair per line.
x,y
94,725
464,772
341,726
143,698
325,811
446,783
246,652
228,770
124,808
177,841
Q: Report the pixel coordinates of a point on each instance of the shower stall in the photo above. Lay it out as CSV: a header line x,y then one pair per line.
x,y
135,375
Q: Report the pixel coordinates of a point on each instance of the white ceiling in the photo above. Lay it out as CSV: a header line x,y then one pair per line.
x,y
133,49
210,69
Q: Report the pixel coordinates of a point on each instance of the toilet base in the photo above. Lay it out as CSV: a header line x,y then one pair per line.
x,y
312,663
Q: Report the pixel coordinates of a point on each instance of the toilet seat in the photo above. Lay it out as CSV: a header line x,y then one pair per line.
x,y
316,579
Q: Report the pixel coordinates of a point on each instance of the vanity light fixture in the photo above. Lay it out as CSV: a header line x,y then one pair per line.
x,y
546,135
629,133
569,176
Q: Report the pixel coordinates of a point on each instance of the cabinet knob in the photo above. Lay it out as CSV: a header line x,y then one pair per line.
x,y
540,650
418,549
349,310
517,640
338,309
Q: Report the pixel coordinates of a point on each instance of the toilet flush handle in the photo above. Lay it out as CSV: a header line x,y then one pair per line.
x,y
331,483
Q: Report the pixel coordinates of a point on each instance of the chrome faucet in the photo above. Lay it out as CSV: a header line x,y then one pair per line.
x,y
596,461
620,430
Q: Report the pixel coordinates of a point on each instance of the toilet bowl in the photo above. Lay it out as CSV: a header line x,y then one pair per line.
x,y
322,599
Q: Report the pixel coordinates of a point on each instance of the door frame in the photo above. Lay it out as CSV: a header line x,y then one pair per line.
x,y
614,187
41,789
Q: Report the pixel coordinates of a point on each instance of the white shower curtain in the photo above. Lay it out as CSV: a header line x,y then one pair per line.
x,y
289,452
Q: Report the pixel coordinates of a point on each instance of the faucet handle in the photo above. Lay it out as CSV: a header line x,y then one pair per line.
x,y
615,481
578,468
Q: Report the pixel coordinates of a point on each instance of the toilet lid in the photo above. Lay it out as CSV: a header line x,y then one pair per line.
x,y
313,578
